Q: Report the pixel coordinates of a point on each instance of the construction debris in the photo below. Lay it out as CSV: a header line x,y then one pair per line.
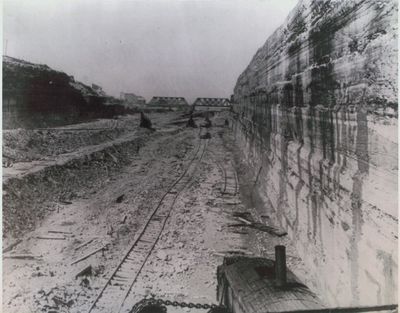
x,y
207,135
60,302
89,254
59,232
84,244
21,256
145,122
87,271
120,199
65,202
244,220
12,246
124,219
191,122
110,230
259,226
50,238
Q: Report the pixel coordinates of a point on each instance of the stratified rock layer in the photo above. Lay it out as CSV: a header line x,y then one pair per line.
x,y
316,115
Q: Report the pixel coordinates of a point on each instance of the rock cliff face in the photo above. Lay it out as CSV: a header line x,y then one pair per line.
x,y
316,115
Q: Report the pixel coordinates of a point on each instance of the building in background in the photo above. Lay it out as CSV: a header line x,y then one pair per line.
x,y
131,99
173,103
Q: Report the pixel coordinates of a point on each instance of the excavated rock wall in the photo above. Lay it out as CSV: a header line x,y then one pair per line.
x,y
315,114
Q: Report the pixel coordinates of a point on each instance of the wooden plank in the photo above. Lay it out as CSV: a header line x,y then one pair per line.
x,y
88,255
84,244
50,238
21,256
12,246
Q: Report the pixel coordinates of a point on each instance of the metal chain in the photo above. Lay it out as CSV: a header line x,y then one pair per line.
x,y
186,304
160,303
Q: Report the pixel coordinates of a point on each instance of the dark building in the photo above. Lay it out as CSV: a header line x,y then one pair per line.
x,y
173,103
131,99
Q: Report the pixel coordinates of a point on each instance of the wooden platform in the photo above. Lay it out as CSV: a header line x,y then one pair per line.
x,y
247,285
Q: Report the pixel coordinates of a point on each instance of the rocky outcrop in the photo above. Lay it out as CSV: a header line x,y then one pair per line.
x,y
34,95
316,116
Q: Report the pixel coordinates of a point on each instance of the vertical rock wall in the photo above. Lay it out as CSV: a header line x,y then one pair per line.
x,y
316,114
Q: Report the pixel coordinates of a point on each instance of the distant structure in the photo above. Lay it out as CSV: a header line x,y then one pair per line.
x,y
214,104
173,103
132,99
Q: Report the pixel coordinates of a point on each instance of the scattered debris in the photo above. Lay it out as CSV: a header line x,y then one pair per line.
x,y
207,135
21,256
50,238
110,230
65,202
85,283
124,219
259,226
244,220
145,122
99,270
87,271
115,160
84,244
230,252
12,246
89,254
59,232
60,302
269,229
232,203
120,199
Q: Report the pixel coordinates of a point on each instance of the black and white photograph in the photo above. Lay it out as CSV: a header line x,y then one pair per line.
x,y
200,156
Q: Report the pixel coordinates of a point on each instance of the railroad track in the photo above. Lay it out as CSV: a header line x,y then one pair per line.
x,y
230,186
231,181
112,296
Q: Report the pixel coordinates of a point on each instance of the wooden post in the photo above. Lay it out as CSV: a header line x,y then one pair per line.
x,y
280,266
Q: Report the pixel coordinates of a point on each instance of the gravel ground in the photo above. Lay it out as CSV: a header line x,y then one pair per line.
x,y
25,145
108,210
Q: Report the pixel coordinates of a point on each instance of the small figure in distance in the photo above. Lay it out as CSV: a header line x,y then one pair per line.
x,y
226,122
207,123
145,122
191,122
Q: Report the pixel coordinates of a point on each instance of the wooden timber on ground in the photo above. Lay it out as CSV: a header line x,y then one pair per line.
x,y
248,285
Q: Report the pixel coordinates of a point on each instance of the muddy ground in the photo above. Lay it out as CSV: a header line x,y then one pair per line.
x,y
75,195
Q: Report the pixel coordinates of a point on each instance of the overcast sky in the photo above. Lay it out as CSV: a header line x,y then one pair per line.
x,y
165,48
